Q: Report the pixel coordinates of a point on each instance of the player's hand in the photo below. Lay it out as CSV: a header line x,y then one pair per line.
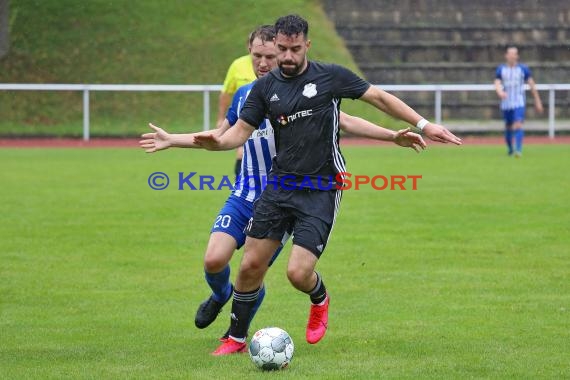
x,y
503,95
441,134
155,141
538,107
408,139
207,141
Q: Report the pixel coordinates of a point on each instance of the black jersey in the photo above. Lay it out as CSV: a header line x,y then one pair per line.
x,y
304,112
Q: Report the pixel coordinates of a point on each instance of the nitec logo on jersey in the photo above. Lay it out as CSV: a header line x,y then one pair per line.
x,y
284,119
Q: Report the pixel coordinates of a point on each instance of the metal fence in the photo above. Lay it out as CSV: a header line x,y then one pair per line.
x,y
437,89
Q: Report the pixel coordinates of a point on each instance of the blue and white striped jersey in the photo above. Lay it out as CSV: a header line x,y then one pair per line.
x,y
513,79
258,151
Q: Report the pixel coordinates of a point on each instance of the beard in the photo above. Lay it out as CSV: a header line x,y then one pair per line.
x,y
292,70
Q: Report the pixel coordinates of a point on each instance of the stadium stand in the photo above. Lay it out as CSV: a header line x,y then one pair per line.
x,y
456,41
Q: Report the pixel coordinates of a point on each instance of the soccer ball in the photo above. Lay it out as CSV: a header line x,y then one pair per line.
x,y
271,348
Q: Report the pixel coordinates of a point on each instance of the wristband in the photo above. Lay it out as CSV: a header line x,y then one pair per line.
x,y
421,124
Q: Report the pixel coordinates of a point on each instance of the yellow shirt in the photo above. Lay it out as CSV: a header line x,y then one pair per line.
x,y
239,73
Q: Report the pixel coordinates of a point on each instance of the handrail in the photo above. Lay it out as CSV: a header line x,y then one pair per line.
x,y
437,89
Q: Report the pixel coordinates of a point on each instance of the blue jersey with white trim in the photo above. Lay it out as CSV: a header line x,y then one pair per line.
x,y
258,151
513,80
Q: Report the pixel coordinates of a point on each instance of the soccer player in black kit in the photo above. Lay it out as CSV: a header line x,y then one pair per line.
x,y
302,100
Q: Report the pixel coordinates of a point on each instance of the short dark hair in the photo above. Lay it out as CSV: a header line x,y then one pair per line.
x,y
292,25
264,32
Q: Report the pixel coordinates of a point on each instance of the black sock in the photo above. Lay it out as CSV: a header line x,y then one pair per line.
x,y
319,292
237,168
242,306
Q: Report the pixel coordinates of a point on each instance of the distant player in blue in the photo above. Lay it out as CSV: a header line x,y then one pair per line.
x,y
510,80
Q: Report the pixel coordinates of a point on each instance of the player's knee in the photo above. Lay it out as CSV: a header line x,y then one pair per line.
x,y
216,258
214,263
298,276
252,265
219,252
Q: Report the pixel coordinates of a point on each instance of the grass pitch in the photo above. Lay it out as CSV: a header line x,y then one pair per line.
x,y
466,277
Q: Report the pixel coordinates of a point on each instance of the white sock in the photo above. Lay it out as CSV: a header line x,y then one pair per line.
x,y
239,340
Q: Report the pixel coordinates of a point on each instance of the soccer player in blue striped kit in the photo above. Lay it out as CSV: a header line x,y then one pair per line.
x,y
228,232
510,80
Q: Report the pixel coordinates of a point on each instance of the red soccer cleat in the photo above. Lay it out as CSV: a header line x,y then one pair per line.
x,y
318,322
230,346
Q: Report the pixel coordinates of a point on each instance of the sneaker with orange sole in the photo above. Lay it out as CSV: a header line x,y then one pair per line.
x,y
318,322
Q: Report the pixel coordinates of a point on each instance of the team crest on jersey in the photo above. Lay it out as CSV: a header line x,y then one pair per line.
x,y
310,90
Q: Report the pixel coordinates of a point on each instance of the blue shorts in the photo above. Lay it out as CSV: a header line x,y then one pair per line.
x,y
233,219
513,115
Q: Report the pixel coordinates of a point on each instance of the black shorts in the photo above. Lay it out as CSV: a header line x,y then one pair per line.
x,y
309,214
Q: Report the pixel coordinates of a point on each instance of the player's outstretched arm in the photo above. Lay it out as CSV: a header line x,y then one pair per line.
x,y
236,136
398,109
363,128
155,141
160,139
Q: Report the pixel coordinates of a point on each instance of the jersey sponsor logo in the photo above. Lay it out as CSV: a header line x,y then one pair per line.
x,y
274,98
284,119
310,90
261,133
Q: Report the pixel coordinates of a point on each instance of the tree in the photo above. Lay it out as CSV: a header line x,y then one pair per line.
x,y
4,28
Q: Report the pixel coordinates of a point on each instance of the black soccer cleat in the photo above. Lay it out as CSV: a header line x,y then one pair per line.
x,y
208,312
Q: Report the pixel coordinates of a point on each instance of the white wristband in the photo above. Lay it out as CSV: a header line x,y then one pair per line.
x,y
422,123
